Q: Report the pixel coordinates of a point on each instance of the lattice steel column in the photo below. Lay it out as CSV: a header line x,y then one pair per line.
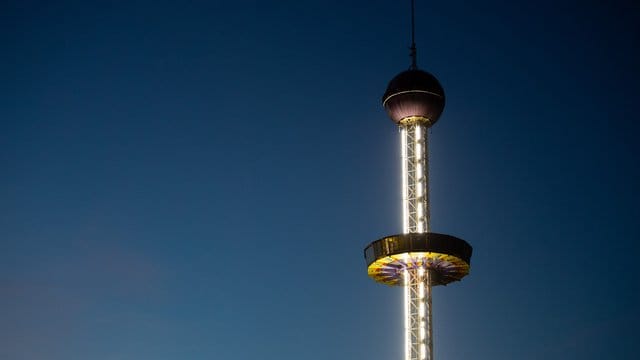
x,y
415,172
415,204
417,296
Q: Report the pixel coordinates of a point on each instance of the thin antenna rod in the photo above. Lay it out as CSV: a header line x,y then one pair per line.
x,y
414,62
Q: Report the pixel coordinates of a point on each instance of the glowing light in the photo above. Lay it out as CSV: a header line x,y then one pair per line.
x,y
407,319
414,211
405,181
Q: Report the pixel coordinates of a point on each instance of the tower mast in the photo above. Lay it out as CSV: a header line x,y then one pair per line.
x,y
417,259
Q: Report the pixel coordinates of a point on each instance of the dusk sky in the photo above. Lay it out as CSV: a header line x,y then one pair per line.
x,y
198,179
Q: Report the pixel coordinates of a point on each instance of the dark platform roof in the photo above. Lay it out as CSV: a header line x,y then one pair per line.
x,y
418,242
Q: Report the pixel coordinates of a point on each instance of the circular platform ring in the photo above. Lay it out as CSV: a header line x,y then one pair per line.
x,y
446,256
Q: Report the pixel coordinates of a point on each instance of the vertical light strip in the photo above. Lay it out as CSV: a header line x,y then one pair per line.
x,y
407,316
424,184
428,319
419,183
423,347
405,181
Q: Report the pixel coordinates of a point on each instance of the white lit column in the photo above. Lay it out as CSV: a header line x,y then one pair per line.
x,y
415,172
415,207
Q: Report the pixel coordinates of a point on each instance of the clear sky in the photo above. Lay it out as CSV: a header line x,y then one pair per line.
x,y
198,179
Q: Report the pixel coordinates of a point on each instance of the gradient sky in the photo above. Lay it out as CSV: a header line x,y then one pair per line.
x,y
198,179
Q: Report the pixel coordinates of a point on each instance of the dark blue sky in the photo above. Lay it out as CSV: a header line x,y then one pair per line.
x,y
197,179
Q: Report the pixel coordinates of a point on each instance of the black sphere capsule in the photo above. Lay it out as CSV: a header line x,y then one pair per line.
x,y
414,96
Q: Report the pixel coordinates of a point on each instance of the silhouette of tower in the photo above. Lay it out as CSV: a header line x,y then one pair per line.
x,y
417,259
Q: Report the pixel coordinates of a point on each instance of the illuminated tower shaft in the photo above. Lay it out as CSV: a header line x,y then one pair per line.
x,y
415,172
415,209
417,308
416,259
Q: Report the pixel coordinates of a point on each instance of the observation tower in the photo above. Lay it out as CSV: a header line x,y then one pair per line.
x,y
417,259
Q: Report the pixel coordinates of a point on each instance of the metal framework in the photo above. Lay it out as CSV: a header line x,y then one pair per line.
x,y
415,174
415,204
417,307
417,259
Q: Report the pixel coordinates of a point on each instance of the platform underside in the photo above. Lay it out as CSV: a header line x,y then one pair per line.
x,y
445,268
447,257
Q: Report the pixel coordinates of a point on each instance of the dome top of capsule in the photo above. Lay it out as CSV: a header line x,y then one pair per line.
x,y
414,96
